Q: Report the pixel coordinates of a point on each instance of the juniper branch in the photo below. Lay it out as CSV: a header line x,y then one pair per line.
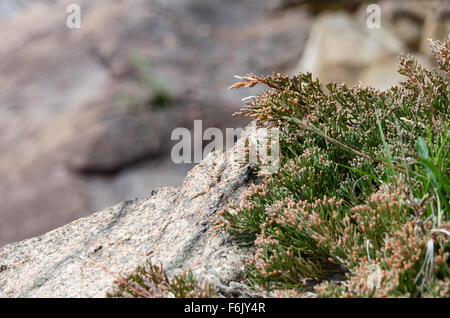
x,y
336,142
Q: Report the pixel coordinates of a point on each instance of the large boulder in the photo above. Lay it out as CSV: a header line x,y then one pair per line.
x,y
341,49
69,143
172,227
415,21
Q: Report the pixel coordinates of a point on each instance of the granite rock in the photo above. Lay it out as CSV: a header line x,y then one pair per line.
x,y
172,227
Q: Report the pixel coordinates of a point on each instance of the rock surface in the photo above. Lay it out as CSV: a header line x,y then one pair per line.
x,y
415,21
69,144
342,48
171,227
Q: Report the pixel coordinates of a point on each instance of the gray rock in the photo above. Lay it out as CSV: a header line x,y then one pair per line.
x,y
415,21
9,8
171,227
341,49
63,129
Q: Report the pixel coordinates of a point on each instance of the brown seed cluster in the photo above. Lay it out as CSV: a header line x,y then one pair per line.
x,y
151,281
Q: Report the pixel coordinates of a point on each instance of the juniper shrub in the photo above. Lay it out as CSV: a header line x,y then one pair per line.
x,y
363,185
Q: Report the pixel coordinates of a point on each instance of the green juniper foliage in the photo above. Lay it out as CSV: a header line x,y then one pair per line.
x,y
363,185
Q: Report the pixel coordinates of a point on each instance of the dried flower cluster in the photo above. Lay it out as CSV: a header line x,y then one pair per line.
x,y
363,187
151,281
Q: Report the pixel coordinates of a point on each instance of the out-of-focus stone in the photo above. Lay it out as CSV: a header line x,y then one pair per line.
x,y
63,128
415,21
340,49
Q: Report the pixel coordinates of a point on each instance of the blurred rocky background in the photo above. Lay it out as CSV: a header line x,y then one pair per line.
x,y
86,114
